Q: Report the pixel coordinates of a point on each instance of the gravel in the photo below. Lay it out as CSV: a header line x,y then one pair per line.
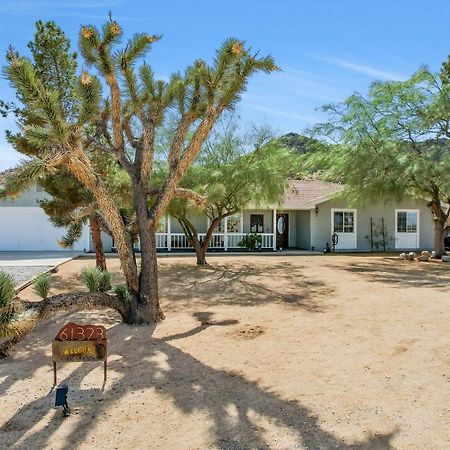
x,y
21,274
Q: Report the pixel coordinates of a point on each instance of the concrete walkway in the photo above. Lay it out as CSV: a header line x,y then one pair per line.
x,y
35,259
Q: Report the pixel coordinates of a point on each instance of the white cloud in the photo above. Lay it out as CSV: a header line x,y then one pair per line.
x,y
277,112
372,72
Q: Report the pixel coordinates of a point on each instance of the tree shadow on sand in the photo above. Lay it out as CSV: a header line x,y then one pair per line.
x,y
192,386
242,284
406,273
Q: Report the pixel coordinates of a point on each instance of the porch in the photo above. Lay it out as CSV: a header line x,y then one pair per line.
x,y
277,229
229,233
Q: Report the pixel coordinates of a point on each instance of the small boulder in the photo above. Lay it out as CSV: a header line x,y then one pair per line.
x,y
424,256
411,256
402,256
445,258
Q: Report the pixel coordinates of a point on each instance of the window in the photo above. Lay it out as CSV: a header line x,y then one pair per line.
x,y
161,228
406,221
344,222
233,224
256,223
220,227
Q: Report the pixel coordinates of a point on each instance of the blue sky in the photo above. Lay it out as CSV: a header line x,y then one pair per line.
x,y
326,48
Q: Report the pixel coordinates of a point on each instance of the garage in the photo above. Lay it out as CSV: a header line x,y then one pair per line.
x,y
29,229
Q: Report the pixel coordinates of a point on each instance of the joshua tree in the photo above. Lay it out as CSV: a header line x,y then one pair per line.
x,y
124,124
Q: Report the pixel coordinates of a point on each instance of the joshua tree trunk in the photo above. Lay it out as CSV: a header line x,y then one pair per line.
x,y
100,259
79,165
146,308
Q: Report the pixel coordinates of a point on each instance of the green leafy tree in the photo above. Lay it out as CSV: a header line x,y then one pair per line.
x,y
393,143
125,123
228,176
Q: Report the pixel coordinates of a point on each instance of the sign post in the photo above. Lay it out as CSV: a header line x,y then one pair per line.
x,y
80,343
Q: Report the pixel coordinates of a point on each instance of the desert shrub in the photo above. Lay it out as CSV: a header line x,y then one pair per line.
x,y
42,285
90,276
104,281
7,309
121,290
96,280
251,241
7,290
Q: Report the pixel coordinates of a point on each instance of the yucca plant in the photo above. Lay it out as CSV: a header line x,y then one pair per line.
x,y
90,276
96,280
42,285
104,281
123,293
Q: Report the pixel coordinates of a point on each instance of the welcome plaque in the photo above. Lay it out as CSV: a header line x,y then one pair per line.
x,y
80,343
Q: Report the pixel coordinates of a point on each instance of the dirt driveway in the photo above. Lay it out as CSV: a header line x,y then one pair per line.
x,y
279,352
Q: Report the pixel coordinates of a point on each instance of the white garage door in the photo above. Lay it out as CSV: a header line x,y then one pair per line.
x,y
28,229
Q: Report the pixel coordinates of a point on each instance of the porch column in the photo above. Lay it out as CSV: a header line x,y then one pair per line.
x,y
225,237
169,234
274,230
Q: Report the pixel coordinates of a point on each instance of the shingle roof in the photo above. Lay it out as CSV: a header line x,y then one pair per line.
x,y
306,194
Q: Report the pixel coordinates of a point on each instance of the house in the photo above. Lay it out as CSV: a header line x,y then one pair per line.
x,y
24,226
311,212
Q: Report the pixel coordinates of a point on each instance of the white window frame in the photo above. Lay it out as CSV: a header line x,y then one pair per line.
x,y
397,233
355,224
225,222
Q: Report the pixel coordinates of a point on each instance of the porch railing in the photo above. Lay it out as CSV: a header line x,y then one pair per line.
x,y
225,241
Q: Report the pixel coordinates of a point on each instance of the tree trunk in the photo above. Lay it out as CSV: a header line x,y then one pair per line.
x,y
100,259
146,308
200,251
440,219
80,166
439,236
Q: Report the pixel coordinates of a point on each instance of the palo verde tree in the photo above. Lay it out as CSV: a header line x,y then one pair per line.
x,y
232,171
126,121
393,143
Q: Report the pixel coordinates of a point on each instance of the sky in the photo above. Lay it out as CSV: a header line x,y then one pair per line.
x,y
327,49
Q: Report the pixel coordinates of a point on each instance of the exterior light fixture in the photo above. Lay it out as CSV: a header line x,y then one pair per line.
x,y
61,399
317,210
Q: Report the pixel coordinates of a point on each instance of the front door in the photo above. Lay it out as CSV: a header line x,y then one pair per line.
x,y
407,229
282,230
343,224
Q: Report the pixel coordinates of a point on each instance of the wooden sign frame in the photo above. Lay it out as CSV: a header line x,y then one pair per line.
x,y
76,342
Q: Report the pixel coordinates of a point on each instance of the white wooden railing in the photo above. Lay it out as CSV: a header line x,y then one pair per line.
x,y
225,241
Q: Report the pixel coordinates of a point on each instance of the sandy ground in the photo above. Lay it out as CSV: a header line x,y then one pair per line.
x,y
279,352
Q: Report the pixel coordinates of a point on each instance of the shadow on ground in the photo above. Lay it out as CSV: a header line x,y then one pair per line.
x,y
242,284
406,273
190,384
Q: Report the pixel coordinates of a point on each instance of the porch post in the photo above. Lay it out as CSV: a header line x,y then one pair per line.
x,y
225,237
274,230
169,234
